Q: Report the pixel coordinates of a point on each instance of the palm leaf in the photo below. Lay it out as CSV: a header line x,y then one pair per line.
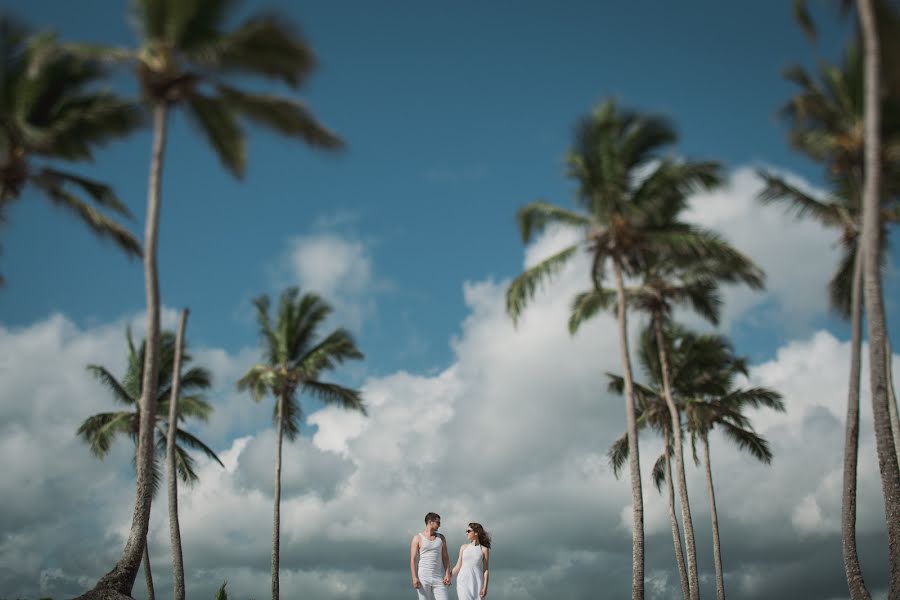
x,y
536,216
108,381
217,122
748,440
258,380
100,430
587,304
659,472
801,204
523,288
618,454
332,393
101,193
281,115
99,223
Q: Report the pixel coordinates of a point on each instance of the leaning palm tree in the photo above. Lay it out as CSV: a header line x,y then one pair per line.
x,y
188,58
101,430
826,119
630,196
50,111
295,357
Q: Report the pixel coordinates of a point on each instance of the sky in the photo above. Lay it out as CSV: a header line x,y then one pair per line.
x,y
454,117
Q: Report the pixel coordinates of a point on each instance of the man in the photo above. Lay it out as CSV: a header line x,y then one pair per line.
x,y
429,550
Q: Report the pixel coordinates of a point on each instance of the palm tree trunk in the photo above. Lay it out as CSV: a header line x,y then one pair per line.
x,y
121,578
714,515
148,574
874,301
276,525
637,501
892,398
171,474
855,580
693,577
676,531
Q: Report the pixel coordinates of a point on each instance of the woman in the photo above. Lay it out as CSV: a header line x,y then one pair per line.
x,y
472,566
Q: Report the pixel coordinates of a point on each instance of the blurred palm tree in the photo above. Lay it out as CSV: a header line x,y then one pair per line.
x,y
50,112
827,119
101,430
295,357
189,57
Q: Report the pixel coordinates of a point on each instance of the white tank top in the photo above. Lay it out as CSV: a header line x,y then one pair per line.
x,y
431,570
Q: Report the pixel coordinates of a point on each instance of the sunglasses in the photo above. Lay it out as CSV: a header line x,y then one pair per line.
x,y
468,531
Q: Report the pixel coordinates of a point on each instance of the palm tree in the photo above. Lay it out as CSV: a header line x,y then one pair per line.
x,y
666,284
100,431
294,359
49,112
187,58
702,371
827,122
630,196
721,404
171,479
652,411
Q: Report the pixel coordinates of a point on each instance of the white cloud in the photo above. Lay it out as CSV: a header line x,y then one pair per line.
x,y
338,268
797,256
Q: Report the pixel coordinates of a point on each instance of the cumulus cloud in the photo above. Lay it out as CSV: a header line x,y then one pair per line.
x,y
512,434
338,268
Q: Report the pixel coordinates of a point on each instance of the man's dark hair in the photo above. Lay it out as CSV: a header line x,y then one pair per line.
x,y
432,517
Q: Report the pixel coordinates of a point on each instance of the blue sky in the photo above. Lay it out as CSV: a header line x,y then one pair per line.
x,y
455,116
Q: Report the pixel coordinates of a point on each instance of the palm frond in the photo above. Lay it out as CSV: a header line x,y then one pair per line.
x,y
523,288
840,287
258,380
216,120
332,393
101,193
534,217
109,381
100,430
329,353
659,472
795,201
190,441
282,115
99,223
757,397
618,454
748,440
587,304
264,45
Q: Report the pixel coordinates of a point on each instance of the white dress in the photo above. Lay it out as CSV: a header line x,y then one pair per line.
x,y
471,574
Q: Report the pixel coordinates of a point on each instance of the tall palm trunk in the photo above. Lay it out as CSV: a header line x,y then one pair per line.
x,y
714,515
171,474
855,580
676,531
148,573
637,500
874,302
276,524
121,578
675,416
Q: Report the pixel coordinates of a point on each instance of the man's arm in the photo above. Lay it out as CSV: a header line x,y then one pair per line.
x,y
445,556
413,554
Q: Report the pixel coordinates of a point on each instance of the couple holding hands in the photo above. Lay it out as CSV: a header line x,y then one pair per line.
x,y
429,562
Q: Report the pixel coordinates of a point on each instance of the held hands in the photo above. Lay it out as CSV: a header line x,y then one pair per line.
x,y
446,578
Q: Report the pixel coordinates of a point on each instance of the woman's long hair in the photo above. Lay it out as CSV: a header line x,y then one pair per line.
x,y
484,538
